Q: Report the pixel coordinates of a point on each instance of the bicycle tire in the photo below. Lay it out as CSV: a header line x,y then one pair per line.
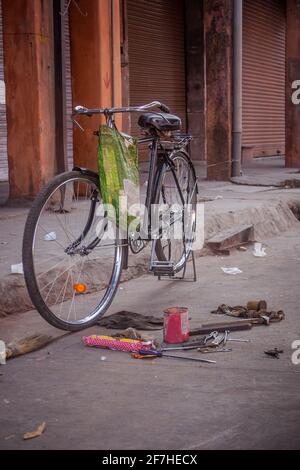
x,y
28,259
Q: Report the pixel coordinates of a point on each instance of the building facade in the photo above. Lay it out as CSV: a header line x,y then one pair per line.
x,y
226,67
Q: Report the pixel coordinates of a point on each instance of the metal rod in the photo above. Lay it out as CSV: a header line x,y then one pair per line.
x,y
237,86
206,361
181,348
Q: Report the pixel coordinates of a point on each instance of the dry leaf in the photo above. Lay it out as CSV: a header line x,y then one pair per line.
x,y
37,433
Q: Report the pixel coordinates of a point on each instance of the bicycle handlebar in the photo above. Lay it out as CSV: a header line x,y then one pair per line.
x,y
132,109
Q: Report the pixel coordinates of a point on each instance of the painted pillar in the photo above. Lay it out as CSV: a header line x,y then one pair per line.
x,y
96,69
293,85
29,78
195,66
218,15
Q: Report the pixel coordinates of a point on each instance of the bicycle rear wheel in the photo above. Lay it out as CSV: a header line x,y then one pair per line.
x,y
177,201
72,263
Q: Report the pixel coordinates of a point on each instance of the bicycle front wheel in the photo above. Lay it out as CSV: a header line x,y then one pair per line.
x,y
72,260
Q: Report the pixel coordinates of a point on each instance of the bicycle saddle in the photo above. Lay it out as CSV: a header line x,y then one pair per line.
x,y
160,121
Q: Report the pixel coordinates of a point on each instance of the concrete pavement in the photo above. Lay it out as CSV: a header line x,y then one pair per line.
x,y
270,210
246,400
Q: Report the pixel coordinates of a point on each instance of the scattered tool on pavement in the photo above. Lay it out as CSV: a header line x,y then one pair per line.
x,y
211,336
154,353
275,353
221,327
181,348
140,356
212,351
237,340
221,338
255,311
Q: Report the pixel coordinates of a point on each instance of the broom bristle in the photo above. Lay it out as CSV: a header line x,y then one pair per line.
x,y
27,345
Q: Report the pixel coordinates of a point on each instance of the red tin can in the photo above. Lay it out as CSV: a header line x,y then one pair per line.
x,y
176,325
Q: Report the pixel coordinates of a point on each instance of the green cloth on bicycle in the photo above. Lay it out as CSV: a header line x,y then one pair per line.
x,y
119,173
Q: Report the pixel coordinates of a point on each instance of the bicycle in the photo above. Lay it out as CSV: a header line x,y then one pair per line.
x,y
65,258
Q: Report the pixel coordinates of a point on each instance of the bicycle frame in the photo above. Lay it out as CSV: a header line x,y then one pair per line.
x,y
156,144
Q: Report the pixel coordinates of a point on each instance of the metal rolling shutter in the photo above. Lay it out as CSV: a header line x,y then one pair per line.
x,y
264,76
156,49
3,128
69,101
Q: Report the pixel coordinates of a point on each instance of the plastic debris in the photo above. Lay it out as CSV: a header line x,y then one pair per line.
x,y
2,353
17,268
259,250
103,358
232,271
37,433
50,237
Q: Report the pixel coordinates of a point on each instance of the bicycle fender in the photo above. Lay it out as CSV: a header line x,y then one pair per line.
x,y
86,171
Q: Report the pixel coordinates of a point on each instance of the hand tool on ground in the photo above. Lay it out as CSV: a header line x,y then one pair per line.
x,y
221,327
140,356
221,338
181,348
212,351
239,323
275,353
212,336
218,340
227,332
236,340
153,353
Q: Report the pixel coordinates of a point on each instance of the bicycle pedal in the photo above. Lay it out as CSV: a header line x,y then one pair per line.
x,y
163,268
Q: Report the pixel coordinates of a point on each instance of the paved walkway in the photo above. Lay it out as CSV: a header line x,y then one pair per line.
x,y
247,400
225,205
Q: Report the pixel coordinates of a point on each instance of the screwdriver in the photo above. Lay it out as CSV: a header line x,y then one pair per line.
x,y
150,352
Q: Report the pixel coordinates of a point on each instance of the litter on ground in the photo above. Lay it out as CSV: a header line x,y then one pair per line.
x,y
37,433
2,353
232,271
17,268
124,319
50,237
259,251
